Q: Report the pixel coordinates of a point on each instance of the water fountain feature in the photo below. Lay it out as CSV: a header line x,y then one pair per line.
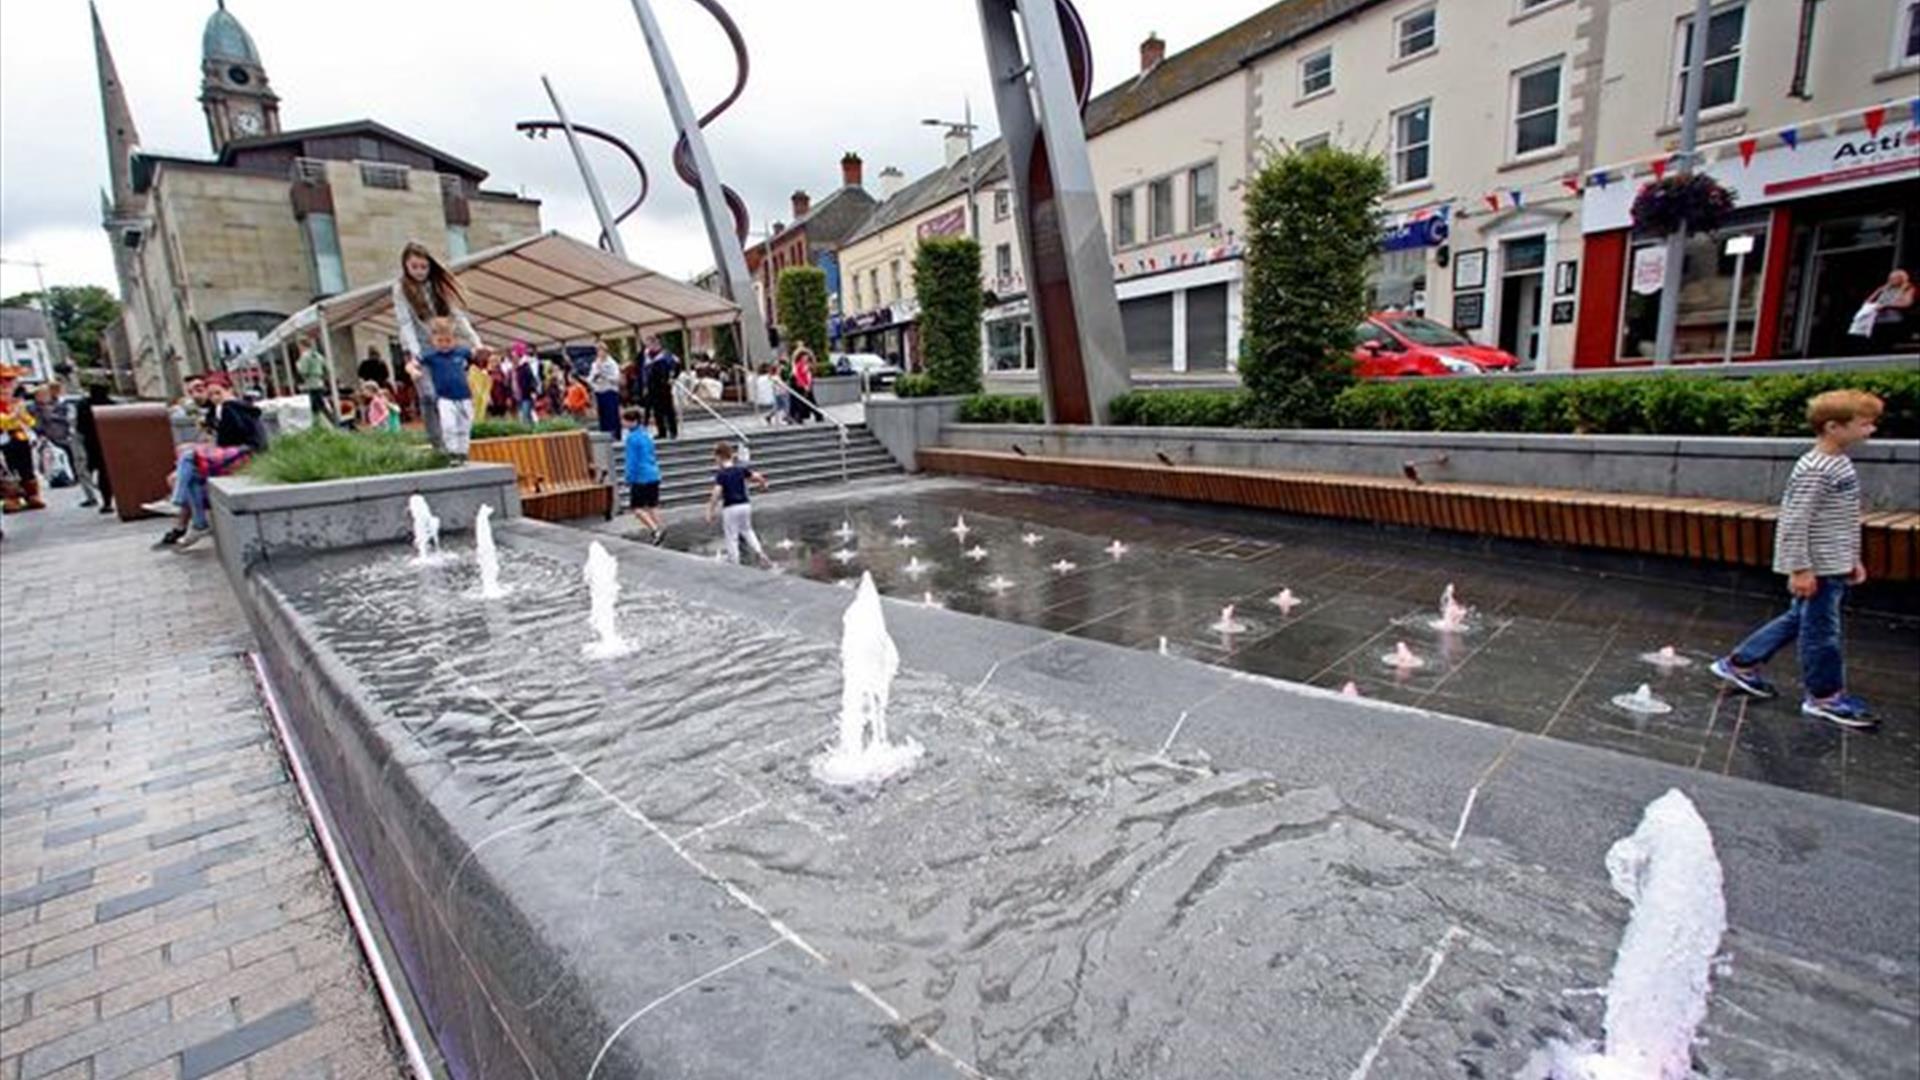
x,y
1402,658
905,541
603,589
1064,566
1228,624
975,553
915,567
864,755
845,532
1642,702
786,543
1350,689
1666,658
1285,601
1031,538
899,521
1116,549
1453,614
845,556
426,531
960,528
996,584
929,600
486,555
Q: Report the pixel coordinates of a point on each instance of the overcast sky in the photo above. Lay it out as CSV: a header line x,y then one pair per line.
x,y
828,76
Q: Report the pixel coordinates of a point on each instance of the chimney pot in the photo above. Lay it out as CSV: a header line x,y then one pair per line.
x,y
1152,51
891,181
850,169
802,202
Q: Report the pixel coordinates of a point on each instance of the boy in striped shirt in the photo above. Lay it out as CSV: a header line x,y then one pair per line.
x,y
1817,546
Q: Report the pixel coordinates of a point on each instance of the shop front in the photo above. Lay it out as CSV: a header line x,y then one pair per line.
x,y
1821,222
888,331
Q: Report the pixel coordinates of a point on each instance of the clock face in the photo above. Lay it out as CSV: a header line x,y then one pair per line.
x,y
238,76
248,123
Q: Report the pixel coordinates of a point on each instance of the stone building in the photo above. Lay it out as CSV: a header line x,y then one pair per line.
x,y
213,252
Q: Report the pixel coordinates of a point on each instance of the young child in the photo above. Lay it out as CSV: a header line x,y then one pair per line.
x,y
577,398
379,409
643,474
730,482
446,364
1817,546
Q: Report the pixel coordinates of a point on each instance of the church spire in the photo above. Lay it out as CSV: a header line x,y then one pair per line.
x,y
122,137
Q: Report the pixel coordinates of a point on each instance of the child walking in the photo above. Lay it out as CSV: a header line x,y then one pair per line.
x,y
446,365
730,482
1817,546
643,474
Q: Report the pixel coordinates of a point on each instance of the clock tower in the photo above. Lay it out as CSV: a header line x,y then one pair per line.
x,y
233,84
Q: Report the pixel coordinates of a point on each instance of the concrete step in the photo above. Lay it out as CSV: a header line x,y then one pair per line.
x,y
783,475
686,493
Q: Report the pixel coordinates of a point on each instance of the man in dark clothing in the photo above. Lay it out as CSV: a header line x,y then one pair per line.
x,y
88,429
661,367
375,370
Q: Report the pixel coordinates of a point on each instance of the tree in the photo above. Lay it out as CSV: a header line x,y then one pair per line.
x,y
946,276
725,349
803,307
80,315
1313,225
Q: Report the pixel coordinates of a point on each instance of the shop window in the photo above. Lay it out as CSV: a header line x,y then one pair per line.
x,y
1316,73
1413,144
1160,208
1415,33
1726,31
1123,230
1397,280
1148,324
1009,345
1207,328
1706,290
1536,107
323,242
1203,196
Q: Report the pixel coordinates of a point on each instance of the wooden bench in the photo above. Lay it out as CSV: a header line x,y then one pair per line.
x,y
1707,530
555,470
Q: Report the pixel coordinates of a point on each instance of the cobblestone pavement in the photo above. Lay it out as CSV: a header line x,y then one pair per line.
x,y
164,910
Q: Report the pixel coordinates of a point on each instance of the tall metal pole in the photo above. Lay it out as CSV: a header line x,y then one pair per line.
x,y
973,186
728,257
1689,139
607,226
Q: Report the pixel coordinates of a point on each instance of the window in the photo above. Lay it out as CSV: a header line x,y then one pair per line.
x,y
1536,107
1003,262
329,270
859,301
894,272
1203,196
456,241
1002,205
1530,5
1123,231
1160,208
1413,144
1317,142
1906,34
1316,73
873,280
1010,345
1415,33
375,174
1706,290
1721,86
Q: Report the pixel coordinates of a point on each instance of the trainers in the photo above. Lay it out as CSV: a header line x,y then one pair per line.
x,y
194,536
1842,709
1747,682
170,538
160,508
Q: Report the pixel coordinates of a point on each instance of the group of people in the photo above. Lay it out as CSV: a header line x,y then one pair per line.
x,y
790,400
43,426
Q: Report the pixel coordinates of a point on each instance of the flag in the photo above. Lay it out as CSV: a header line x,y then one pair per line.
x,y
1601,180
1874,118
1571,183
1659,166
1493,202
1515,193
1747,147
1791,137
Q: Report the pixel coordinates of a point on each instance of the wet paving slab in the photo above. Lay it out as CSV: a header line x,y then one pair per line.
x,y
1548,647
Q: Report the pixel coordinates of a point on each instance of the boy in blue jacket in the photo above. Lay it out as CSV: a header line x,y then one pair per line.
x,y
643,475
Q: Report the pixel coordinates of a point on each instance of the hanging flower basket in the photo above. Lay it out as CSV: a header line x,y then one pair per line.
x,y
1696,201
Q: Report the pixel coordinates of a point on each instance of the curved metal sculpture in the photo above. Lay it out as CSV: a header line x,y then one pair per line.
x,y
542,128
683,164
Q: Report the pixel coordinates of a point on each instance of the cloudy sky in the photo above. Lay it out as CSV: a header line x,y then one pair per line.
x,y
828,76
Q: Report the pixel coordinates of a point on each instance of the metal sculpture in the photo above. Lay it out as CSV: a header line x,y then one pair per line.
x,y
609,226
1040,92
694,165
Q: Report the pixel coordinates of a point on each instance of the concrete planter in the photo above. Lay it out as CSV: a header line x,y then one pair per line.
x,y
903,425
836,390
254,521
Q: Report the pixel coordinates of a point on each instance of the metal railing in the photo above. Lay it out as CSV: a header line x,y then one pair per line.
x,y
746,444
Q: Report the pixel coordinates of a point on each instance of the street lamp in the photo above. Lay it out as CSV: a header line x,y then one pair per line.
x,y
609,225
965,127
56,348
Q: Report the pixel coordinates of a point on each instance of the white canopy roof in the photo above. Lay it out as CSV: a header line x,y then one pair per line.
x,y
543,290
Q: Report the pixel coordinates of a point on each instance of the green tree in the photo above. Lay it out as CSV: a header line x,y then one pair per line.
x,y
726,350
803,307
946,276
1313,224
81,314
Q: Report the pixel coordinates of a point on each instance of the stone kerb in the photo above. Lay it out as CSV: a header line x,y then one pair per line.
x,y
903,425
253,521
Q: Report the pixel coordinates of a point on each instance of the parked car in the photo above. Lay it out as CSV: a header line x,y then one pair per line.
x,y
875,370
1391,345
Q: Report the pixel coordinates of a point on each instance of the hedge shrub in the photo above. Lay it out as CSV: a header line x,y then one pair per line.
x,y
908,386
1183,408
802,301
946,276
1002,409
497,427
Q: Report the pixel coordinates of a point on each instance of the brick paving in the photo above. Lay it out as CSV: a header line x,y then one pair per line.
x,y
164,910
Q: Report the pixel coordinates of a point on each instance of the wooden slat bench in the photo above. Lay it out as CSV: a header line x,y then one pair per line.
x,y
558,480
1707,530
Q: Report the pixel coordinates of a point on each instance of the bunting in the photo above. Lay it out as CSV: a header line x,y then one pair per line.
x,y
1659,167
1874,119
1790,136
1747,147
1515,194
1571,183
1492,201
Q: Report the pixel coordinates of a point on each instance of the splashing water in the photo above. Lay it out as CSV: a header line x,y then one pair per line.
x,y
1116,549
905,541
486,555
1227,624
845,555
1065,566
915,567
864,755
899,521
603,589
930,600
1350,689
1657,997
1666,658
1453,614
426,531
844,532
1285,601
996,584
1403,658
1030,539
786,544
960,528
976,553
1163,646
1643,702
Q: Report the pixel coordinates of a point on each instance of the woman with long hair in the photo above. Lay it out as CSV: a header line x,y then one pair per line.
x,y
426,291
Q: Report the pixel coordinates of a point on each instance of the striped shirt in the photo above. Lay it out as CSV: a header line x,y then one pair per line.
x,y
1819,527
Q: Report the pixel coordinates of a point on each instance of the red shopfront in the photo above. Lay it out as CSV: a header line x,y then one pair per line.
x,y
1829,219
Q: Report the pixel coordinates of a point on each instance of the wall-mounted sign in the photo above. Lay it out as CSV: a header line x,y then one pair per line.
x,y
1649,269
1470,269
1565,275
1562,312
1469,310
1430,230
947,224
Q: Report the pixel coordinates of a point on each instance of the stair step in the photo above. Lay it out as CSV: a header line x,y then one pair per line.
x,y
681,496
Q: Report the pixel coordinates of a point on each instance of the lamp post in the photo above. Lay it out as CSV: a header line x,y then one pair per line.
x,y
1689,139
609,228
56,349
965,127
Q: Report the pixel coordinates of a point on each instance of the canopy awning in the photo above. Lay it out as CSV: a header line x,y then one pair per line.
x,y
544,290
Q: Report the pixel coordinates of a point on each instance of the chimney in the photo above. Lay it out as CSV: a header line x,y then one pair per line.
x,y
850,169
956,144
1152,51
891,181
802,202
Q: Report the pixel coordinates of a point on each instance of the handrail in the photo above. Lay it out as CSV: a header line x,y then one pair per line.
x,y
713,412
824,415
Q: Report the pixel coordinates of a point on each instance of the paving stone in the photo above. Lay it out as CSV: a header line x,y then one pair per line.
x,y
162,1043
161,891
245,1041
46,890
87,831
91,1039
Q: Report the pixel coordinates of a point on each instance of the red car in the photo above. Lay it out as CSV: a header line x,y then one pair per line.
x,y
1392,345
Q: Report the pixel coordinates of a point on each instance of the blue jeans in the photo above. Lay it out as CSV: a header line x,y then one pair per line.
x,y
1815,623
190,488
526,410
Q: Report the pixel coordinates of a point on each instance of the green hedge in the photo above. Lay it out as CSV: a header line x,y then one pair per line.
x,y
802,292
497,428
907,386
1768,405
1002,409
946,276
327,453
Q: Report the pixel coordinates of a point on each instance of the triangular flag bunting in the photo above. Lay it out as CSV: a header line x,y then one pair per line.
x,y
1572,184
1493,202
1515,193
1747,147
1601,180
1790,136
1659,168
1874,118
1913,110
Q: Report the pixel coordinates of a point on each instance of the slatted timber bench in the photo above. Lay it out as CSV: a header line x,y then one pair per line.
x,y
1708,530
558,480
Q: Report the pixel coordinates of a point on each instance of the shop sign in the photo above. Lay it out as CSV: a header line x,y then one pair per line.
x,y
1427,231
947,224
1469,310
1854,159
867,320
1649,269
